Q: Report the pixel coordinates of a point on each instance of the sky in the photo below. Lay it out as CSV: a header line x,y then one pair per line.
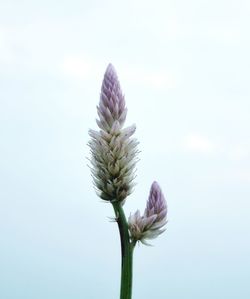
x,y
184,69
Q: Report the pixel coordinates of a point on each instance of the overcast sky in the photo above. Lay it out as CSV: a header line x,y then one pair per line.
x,y
184,67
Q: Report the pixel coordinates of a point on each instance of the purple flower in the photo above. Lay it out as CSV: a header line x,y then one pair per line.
x,y
150,224
112,149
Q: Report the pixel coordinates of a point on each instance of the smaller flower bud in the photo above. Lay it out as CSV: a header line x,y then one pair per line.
x,y
150,224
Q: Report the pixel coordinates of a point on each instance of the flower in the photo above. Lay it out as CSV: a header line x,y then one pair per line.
x,y
150,224
113,151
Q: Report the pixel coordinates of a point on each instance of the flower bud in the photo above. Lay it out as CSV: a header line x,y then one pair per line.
x,y
150,224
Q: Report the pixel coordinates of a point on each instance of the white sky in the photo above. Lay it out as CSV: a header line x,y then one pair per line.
x,y
184,68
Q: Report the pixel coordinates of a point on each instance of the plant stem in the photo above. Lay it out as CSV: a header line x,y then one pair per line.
x,y
126,252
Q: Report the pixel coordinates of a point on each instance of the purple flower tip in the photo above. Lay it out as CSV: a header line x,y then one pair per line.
x,y
111,69
156,201
111,107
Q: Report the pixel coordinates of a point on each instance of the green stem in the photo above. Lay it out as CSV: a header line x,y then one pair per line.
x,y
126,251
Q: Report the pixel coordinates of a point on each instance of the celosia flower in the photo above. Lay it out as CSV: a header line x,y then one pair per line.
x,y
112,148
150,224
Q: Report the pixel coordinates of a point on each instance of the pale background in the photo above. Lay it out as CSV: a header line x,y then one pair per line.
x,y
184,67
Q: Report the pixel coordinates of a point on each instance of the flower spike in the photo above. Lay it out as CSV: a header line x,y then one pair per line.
x,y
150,224
113,150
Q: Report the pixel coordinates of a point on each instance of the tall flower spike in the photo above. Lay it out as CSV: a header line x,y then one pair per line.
x,y
112,149
150,224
